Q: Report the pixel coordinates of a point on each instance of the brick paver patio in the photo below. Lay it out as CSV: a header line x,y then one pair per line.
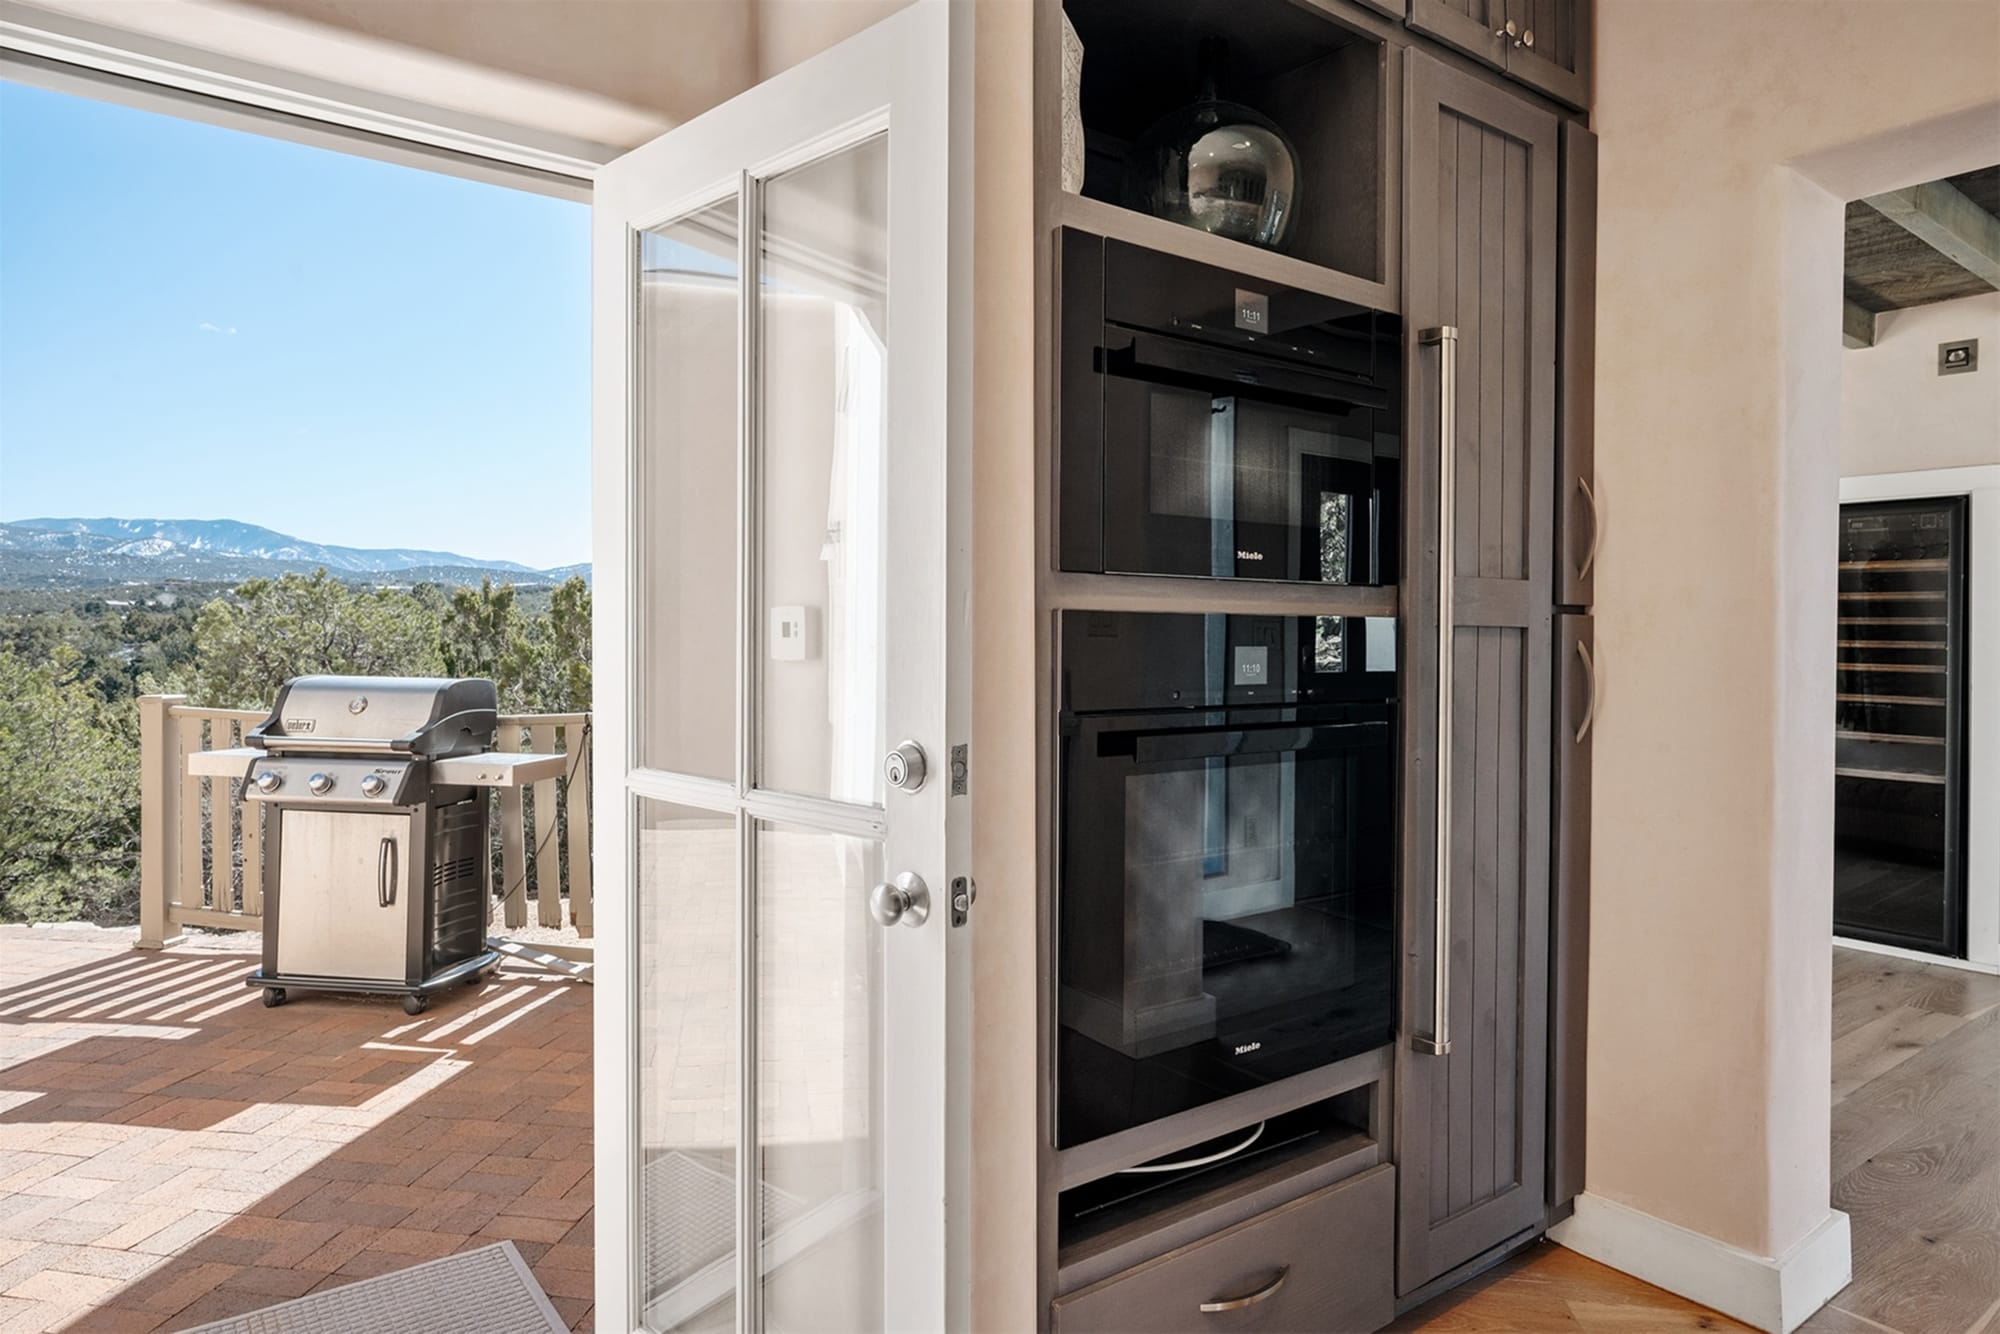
x,y
172,1152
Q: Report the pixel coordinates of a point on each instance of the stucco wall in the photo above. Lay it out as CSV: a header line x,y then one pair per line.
x,y
1717,406
1897,414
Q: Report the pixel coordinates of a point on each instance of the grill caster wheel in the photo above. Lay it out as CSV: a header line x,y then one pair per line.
x,y
476,980
416,1004
273,997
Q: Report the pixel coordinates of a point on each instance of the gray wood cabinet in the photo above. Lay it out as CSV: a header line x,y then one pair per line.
x,y
1569,935
1544,44
1318,1263
1577,530
1480,255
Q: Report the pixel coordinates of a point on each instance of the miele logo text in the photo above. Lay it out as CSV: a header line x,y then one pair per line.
x,y
1249,555
1244,1049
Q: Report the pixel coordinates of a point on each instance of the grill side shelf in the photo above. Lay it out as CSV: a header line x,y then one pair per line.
x,y
498,769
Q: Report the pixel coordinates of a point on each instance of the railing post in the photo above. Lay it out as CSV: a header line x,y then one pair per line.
x,y
159,820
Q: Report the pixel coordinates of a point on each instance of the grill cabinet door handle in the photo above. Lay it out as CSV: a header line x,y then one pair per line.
x,y
1445,339
385,873
1263,1294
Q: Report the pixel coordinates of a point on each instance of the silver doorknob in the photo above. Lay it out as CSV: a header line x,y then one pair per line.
x,y
321,784
905,766
906,899
270,781
1508,29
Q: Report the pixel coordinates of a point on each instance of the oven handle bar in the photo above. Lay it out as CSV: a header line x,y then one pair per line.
x,y
1157,359
1208,743
1445,339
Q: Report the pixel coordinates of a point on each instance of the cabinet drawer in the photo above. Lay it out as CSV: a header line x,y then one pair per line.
x,y
1332,1249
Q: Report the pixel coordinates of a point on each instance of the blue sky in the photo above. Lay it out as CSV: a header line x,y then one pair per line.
x,y
199,323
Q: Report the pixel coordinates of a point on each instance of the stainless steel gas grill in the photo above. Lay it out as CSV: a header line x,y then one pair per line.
x,y
375,850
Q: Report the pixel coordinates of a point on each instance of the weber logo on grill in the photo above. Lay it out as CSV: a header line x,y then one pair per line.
x,y
298,725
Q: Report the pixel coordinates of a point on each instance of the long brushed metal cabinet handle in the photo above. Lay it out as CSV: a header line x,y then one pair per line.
x,y
385,873
1590,699
1596,527
1445,338
1263,1294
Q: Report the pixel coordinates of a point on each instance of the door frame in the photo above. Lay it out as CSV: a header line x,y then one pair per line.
x,y
946,1156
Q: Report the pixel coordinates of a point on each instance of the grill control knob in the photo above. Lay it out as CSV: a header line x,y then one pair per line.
x,y
373,785
321,784
270,780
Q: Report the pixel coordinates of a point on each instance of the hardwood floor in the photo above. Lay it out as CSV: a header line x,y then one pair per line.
x,y
1916,1165
1916,1146
1547,1288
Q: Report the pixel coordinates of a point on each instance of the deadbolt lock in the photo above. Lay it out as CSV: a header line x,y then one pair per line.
x,y
905,767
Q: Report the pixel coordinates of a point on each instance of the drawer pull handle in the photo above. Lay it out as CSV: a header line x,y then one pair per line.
x,y
1263,1294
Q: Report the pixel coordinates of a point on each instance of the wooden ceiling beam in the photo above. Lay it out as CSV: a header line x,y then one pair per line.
x,y
1857,325
1940,216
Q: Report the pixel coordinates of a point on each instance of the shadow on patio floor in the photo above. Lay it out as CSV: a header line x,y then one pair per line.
x,y
172,1152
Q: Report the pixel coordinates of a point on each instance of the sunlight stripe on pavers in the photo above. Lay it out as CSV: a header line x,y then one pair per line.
x,y
213,1011
228,985
74,983
548,995
507,996
63,981
100,997
200,978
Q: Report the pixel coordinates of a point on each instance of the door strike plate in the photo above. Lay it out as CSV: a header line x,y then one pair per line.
x,y
963,894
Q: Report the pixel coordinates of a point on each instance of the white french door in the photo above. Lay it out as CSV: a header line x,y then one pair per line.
x,y
778,589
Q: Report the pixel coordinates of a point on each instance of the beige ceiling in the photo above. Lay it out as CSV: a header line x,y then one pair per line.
x,y
673,57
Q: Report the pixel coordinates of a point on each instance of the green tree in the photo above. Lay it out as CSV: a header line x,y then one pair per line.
x,y
478,632
275,629
551,659
69,793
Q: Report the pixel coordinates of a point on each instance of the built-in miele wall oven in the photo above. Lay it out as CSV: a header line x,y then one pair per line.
x,y
1217,426
1225,893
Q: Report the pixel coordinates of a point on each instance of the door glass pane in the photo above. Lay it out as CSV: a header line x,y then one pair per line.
x,y
823,433
819,1066
688,1071
686,526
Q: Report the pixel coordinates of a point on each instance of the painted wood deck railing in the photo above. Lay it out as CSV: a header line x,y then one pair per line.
x,y
201,846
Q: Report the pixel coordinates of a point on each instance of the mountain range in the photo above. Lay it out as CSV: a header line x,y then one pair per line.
x,y
53,553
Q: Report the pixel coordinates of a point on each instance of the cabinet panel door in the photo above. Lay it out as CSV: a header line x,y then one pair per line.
x,y
1473,26
1480,256
1551,50
1576,470
1569,933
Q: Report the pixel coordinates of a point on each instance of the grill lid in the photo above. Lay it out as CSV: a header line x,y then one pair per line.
x,y
431,716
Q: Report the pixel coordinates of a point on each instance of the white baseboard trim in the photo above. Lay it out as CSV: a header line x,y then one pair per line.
x,y
1773,1294
1916,956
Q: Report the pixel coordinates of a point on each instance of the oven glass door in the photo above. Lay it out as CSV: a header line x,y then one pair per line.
x,y
1210,482
1226,907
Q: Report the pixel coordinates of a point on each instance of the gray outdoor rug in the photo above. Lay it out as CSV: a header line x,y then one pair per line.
x,y
487,1291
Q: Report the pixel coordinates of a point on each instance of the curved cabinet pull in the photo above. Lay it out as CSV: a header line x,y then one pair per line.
x,y
1596,527
1445,338
1263,1294
385,873
1590,698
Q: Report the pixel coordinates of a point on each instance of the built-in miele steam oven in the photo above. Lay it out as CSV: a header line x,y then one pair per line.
x,y
1225,895
1218,426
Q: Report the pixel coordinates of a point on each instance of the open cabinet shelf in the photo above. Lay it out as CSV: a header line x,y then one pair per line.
x,y
1330,87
